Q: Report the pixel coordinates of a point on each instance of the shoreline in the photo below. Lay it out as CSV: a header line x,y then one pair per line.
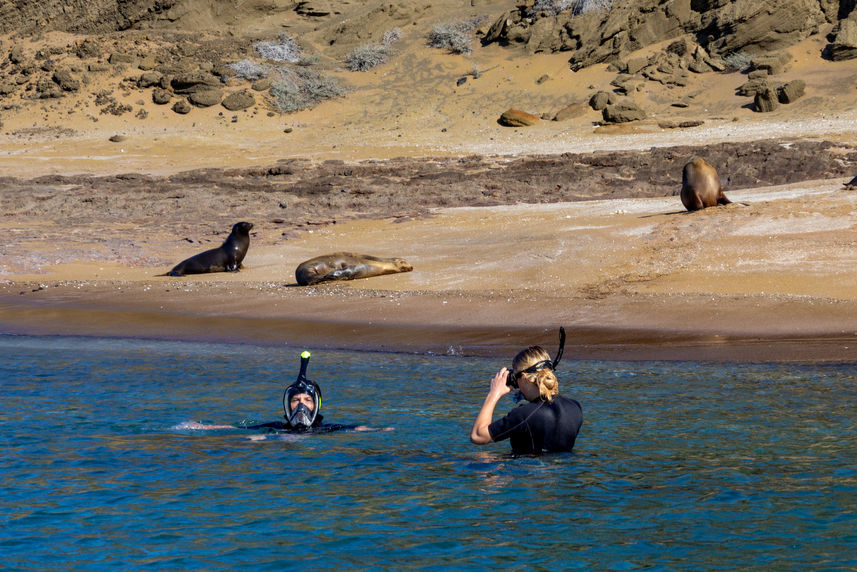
x,y
342,325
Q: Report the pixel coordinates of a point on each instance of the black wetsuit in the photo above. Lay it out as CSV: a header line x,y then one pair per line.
x,y
283,427
541,426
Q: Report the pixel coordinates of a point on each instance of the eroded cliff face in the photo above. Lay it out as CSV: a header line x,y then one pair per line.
x,y
722,27
82,16
103,16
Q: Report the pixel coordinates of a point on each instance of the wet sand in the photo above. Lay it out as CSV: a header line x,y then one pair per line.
x,y
765,279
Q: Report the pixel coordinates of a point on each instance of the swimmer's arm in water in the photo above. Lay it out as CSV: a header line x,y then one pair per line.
x,y
204,427
498,388
364,428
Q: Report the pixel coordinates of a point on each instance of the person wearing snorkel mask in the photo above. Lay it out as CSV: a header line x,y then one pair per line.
x,y
301,408
547,423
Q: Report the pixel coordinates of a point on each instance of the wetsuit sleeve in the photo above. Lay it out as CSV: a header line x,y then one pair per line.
x,y
271,426
331,427
504,427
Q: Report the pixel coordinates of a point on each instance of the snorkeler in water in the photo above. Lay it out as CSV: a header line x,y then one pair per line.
x,y
301,408
548,422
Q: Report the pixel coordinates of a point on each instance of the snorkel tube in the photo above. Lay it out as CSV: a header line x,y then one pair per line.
x,y
558,355
301,417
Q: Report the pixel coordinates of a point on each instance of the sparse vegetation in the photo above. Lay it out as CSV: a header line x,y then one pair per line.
x,y
285,50
738,61
368,56
302,88
246,69
554,7
454,36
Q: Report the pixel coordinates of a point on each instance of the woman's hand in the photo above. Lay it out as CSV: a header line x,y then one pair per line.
x,y
498,384
498,388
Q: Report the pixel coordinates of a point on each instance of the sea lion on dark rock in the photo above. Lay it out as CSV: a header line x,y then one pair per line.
x,y
226,258
347,266
700,186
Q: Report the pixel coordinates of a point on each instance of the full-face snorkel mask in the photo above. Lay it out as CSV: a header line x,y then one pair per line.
x,y
301,417
512,380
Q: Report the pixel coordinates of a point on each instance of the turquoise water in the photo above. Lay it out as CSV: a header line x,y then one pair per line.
x,y
679,466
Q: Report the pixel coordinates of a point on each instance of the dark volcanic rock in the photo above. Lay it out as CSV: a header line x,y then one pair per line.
x,y
149,79
161,96
239,100
206,98
193,82
623,112
182,107
66,81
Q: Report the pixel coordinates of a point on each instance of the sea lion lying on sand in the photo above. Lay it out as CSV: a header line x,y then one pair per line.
x,y
700,186
225,258
347,266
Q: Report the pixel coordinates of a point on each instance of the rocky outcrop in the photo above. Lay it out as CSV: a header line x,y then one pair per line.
x,y
791,92
722,27
518,118
82,16
765,100
843,41
623,112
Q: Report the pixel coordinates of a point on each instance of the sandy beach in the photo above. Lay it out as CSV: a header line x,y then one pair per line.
x,y
535,235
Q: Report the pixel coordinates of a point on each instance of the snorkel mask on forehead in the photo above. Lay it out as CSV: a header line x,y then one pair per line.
x,y
302,417
514,376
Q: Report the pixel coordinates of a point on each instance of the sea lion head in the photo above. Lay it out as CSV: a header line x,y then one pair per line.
x,y
242,228
402,265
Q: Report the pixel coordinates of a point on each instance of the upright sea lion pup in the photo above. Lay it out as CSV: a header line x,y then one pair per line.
x,y
347,266
226,258
700,186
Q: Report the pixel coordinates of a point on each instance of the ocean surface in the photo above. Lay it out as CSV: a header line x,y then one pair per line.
x,y
679,466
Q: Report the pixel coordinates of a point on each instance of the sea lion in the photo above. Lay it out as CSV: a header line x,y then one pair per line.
x,y
226,258
347,266
700,186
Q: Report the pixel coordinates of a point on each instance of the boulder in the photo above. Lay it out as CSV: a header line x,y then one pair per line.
x,y
765,100
601,99
16,55
623,112
844,43
193,82
239,100
570,111
518,118
149,62
66,81
772,63
753,87
149,79
263,84
161,96
117,58
206,98
182,107
791,91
